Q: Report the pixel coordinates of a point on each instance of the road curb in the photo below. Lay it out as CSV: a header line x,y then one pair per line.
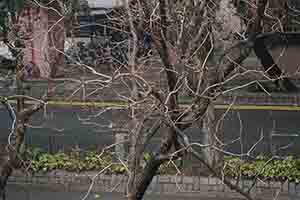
x,y
181,185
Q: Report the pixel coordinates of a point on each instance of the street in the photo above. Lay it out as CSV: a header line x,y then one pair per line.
x,y
28,193
68,127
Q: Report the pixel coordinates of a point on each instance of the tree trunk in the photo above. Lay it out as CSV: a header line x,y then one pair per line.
x,y
16,139
13,150
120,147
12,160
261,51
172,105
212,137
153,166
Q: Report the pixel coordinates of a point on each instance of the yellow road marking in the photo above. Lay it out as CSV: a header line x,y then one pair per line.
x,y
260,107
122,105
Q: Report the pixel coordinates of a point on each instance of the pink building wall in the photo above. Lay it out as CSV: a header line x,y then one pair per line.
x,y
43,32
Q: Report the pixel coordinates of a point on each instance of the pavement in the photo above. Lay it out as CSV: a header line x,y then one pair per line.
x,y
15,192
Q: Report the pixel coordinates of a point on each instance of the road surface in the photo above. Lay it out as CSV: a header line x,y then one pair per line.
x,y
28,193
67,127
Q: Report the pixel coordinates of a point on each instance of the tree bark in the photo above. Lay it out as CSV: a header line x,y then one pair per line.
x,y
157,159
14,150
12,160
212,138
271,68
153,165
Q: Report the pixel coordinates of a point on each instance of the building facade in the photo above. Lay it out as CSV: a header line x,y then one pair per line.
x,y
42,30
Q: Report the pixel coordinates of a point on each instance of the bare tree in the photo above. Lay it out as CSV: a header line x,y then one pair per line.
x,y
20,116
19,119
184,38
175,49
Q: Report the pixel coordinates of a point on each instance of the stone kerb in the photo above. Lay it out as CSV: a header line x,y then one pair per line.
x,y
183,185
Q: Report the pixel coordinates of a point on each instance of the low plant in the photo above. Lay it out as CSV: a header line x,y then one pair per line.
x,y
265,168
39,161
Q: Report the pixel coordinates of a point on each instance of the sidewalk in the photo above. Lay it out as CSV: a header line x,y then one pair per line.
x,y
30,193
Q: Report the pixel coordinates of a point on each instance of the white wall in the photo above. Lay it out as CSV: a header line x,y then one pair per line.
x,y
4,51
105,3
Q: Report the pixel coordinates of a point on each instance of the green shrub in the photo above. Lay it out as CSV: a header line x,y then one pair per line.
x,y
39,161
263,167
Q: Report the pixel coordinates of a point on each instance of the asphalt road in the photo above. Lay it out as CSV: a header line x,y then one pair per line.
x,y
64,128
28,193
25,193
